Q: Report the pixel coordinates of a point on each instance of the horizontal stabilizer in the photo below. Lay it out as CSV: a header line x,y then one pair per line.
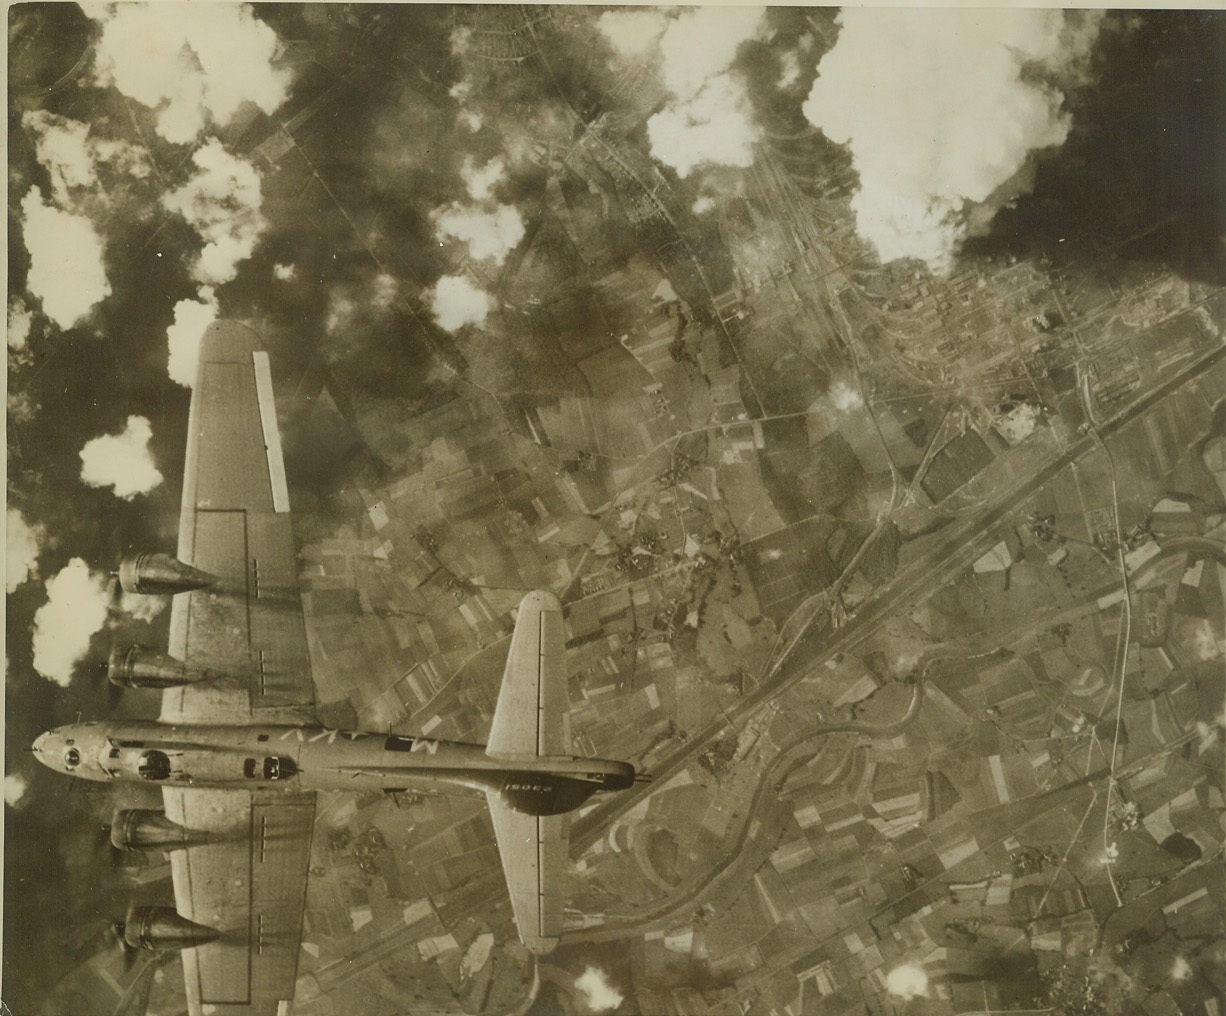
x,y
532,715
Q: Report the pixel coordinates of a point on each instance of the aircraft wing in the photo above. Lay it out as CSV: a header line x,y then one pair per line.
x,y
235,524
532,716
249,884
534,851
531,719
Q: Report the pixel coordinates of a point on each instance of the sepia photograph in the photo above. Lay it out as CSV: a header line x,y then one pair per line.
x,y
554,510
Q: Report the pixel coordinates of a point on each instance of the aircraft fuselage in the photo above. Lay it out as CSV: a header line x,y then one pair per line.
x,y
302,758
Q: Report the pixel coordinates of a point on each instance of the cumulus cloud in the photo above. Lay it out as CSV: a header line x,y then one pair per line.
x,y
222,203
941,110
122,460
457,302
194,64
709,120
489,235
192,319
284,273
482,181
66,269
715,127
907,981
76,608
632,32
20,320
701,43
600,995
15,787
71,157
20,549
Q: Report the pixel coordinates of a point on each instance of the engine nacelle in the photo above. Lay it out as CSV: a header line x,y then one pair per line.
x,y
164,928
160,573
148,829
136,666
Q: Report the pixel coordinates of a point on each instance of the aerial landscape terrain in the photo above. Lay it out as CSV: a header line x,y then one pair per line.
x,y
856,380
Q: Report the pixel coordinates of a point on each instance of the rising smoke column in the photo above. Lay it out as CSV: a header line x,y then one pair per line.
x,y
122,460
67,273
941,110
21,549
76,608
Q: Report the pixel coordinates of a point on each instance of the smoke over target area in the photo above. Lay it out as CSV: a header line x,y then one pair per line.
x,y
122,461
942,111
76,608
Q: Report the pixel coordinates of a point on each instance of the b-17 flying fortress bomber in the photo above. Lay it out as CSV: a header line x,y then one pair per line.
x,y
237,750
820,410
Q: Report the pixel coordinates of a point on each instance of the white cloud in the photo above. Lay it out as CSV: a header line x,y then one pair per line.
x,y
20,549
384,291
192,319
62,146
195,64
71,156
76,608
461,39
938,115
907,981
632,32
15,787
20,320
702,42
471,120
66,267
789,73
481,182
142,607
713,127
703,204
488,235
222,203
709,120
284,273
122,460
844,397
457,302
600,995
340,310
